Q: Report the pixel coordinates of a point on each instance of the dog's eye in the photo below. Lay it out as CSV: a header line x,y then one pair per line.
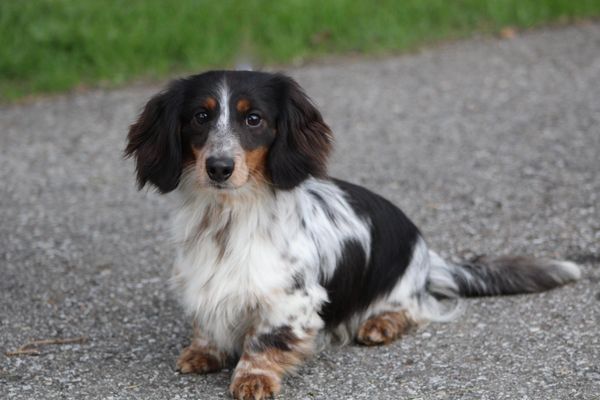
x,y
201,116
253,120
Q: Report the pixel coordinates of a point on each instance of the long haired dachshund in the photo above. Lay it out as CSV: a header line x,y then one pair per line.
x,y
273,256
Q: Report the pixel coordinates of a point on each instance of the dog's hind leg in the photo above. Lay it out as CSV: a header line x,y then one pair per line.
x,y
407,306
384,328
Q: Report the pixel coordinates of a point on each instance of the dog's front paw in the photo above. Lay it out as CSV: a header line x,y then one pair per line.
x,y
254,386
198,360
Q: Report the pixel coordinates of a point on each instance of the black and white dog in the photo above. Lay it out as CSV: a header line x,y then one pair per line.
x,y
273,256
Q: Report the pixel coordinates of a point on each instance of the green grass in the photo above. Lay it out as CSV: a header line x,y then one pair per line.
x,y
56,45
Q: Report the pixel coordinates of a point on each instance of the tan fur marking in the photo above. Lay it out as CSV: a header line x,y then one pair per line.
x,y
198,360
242,105
200,357
210,103
256,161
200,160
384,328
258,374
254,386
240,171
222,237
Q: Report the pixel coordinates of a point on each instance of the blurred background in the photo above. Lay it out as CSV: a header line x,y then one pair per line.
x,y
50,46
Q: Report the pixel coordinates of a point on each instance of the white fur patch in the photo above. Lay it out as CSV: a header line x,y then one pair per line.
x,y
570,271
223,121
270,238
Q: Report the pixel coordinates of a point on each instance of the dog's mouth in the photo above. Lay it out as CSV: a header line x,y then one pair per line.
x,y
220,185
223,186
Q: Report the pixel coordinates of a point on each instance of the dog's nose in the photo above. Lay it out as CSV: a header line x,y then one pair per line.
x,y
219,169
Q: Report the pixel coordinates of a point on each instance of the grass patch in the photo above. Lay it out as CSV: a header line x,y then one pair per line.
x,y
56,45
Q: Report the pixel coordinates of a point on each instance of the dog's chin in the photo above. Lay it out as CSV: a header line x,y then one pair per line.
x,y
223,187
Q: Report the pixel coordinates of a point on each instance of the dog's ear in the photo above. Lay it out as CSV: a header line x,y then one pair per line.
x,y
154,141
303,140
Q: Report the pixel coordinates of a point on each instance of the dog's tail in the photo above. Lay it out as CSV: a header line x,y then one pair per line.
x,y
490,276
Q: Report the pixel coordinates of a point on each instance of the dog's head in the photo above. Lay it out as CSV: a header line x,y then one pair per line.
x,y
227,129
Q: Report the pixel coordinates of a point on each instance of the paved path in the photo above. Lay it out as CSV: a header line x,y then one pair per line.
x,y
490,146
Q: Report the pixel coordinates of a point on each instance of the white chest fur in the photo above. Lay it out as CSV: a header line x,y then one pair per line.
x,y
236,255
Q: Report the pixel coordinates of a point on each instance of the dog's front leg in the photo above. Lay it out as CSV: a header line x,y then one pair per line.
x,y
282,340
266,358
200,356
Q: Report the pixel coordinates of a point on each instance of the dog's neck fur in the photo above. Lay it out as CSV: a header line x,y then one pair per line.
x,y
237,251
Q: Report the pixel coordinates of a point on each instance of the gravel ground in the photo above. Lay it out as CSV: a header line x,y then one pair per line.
x,y
490,146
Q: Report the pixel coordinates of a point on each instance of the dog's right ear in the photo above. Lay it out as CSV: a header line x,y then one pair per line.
x,y
154,141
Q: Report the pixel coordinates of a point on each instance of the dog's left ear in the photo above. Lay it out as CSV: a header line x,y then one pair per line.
x,y
154,141
303,140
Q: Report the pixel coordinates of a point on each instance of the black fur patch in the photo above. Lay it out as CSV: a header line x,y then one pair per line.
x,y
324,206
345,287
303,140
492,276
155,140
355,285
298,281
281,338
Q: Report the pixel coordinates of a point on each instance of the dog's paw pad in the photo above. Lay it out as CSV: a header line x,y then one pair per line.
x,y
198,361
254,387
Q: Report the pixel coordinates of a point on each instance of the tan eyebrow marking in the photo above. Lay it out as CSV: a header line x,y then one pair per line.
x,y
243,105
210,103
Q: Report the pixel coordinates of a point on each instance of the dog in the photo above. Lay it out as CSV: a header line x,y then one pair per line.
x,y
274,258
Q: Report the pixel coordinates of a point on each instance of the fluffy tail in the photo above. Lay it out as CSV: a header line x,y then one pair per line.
x,y
490,276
